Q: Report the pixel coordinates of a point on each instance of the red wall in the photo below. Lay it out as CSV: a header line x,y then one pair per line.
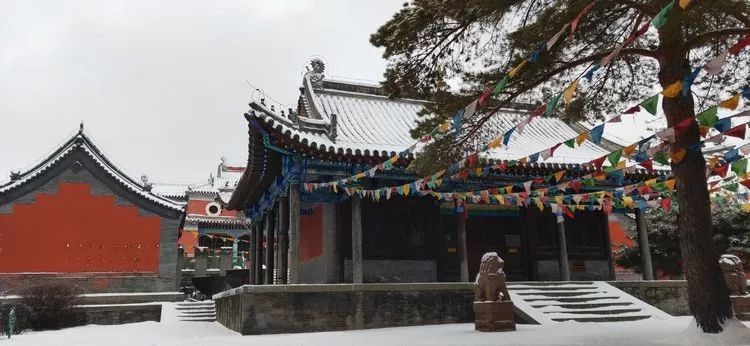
x,y
199,207
311,234
74,231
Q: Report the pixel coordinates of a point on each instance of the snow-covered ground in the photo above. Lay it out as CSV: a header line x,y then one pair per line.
x,y
678,331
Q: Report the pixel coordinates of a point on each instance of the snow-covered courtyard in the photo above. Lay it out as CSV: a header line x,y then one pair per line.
x,y
677,331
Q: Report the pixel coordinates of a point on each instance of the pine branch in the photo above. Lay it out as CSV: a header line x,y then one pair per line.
x,y
708,36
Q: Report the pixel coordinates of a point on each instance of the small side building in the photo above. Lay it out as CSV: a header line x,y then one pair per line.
x,y
76,218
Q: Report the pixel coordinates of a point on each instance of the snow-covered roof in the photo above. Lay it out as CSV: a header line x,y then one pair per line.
x,y
359,121
81,143
223,183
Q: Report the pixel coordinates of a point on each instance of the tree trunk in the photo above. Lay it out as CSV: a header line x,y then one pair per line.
x,y
708,293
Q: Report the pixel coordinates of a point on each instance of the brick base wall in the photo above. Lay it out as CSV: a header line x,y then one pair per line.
x,y
668,296
90,282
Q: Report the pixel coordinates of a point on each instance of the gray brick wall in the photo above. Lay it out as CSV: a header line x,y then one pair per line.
x,y
668,296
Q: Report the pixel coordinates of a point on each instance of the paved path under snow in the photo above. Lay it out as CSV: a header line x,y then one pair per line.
x,y
678,331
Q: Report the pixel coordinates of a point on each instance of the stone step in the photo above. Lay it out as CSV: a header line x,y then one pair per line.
x,y
570,299
583,305
594,312
183,308
743,316
558,293
548,283
551,288
602,319
213,314
199,319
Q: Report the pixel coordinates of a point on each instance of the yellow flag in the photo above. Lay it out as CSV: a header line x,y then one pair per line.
x,y
731,103
559,199
580,207
704,131
438,182
559,175
650,182
444,127
393,159
539,204
360,175
568,93
669,184
500,199
406,189
746,207
713,161
629,149
678,155
478,171
672,90
517,69
621,165
581,138
627,201
508,189
523,161
335,186
685,3
496,143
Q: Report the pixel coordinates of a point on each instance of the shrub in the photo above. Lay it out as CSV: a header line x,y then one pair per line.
x,y
23,318
52,306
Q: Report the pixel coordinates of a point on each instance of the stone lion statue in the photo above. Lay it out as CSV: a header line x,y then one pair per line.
x,y
734,274
490,282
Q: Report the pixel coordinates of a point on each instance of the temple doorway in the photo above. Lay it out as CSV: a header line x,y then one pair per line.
x,y
501,234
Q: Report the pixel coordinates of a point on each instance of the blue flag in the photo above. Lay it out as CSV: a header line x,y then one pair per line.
x,y
457,121
533,157
506,136
723,125
596,134
732,155
687,81
590,73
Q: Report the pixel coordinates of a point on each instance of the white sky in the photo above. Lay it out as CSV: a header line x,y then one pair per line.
x,y
161,86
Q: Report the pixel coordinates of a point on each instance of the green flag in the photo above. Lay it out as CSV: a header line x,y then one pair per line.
x,y
572,208
610,169
651,103
588,182
614,157
731,187
500,86
658,186
708,117
662,16
571,142
661,158
740,167
552,104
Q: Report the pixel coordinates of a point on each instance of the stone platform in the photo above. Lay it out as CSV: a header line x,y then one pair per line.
x,y
741,305
494,316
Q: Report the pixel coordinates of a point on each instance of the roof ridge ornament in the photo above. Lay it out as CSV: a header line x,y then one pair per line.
x,y
317,73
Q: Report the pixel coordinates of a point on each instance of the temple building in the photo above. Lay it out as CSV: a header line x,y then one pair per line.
x,y
341,128
207,222
75,217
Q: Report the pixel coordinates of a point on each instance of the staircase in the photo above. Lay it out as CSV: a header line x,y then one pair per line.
x,y
579,301
200,311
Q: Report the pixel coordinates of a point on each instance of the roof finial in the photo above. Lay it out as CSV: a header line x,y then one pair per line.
x,y
80,129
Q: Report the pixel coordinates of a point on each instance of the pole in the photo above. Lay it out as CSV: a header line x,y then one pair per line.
x,y
294,234
564,266
357,274
463,257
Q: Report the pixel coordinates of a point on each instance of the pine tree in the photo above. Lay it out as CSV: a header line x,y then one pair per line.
x,y
475,42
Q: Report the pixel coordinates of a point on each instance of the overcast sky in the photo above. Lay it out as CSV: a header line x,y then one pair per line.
x,y
161,86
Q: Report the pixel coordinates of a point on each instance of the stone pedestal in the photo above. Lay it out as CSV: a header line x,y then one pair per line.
x,y
741,305
494,316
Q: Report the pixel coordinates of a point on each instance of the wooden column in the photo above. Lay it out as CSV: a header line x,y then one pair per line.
x,y
463,257
259,251
283,239
253,252
357,274
268,275
294,234
646,265
563,246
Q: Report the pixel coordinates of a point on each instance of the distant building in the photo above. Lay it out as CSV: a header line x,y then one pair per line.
x,y
340,128
76,217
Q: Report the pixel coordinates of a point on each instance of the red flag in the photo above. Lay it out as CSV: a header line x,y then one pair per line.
x,y
737,131
485,96
575,185
746,183
648,165
472,160
539,110
683,126
721,170
464,174
598,162
574,23
552,150
607,209
633,110
567,212
644,190
666,203
642,30
737,47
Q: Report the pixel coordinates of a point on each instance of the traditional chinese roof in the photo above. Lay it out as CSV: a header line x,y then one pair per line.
x,y
72,148
222,185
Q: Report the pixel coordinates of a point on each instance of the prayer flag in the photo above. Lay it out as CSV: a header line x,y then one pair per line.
x,y
457,119
500,86
737,131
678,155
596,134
661,18
723,125
731,103
614,157
740,167
708,117
506,136
721,170
661,158
673,89
552,150
683,126
598,162
669,184
470,109
577,19
552,104
571,143
629,149
484,97
559,175
667,135
666,204
687,81
557,36
685,3
650,104
581,138
568,94
631,110
714,66
648,165
517,69
590,73
741,44
534,157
